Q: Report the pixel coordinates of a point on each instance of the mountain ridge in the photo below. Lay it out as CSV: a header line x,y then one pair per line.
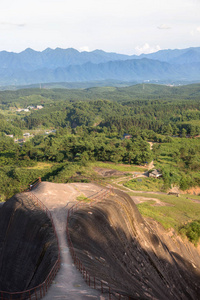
x,y
70,65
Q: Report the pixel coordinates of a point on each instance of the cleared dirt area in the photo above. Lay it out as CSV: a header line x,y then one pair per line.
x,y
104,172
193,191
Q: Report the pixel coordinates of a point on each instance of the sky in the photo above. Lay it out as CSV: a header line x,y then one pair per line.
x,y
122,26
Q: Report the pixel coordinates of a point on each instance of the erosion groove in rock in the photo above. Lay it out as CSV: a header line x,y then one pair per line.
x,y
116,245
28,246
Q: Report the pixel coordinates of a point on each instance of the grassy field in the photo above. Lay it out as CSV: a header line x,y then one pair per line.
x,y
119,167
145,184
177,212
191,122
41,166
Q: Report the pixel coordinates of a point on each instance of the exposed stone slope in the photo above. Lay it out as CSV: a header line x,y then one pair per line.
x,y
116,245
58,197
28,246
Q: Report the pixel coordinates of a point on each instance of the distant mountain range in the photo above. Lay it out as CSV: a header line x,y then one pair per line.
x,y
69,65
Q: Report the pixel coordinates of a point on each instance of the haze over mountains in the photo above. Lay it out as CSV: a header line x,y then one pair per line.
x,y
70,65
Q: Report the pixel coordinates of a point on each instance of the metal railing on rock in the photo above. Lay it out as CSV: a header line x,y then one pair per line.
x,y
39,291
92,281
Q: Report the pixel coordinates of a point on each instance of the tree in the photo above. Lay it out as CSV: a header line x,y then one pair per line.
x,y
183,132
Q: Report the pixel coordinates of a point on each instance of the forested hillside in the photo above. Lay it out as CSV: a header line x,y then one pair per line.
x,y
75,127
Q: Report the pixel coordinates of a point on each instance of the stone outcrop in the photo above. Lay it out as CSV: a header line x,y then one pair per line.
x,y
28,246
135,257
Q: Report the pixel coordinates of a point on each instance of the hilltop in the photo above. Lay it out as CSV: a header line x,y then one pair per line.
x,y
69,65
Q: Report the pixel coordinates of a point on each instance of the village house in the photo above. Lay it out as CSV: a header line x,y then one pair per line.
x,y
19,141
10,135
22,109
127,136
155,174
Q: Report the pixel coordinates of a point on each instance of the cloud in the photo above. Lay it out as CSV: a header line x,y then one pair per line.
x,y
11,25
195,31
146,48
84,48
164,26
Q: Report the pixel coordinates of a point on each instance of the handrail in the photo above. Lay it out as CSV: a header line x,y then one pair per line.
x,y
34,183
39,291
92,281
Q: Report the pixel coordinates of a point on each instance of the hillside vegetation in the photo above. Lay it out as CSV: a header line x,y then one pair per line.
x,y
77,131
90,126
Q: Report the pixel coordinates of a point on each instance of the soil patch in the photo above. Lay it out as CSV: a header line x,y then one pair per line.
x,y
104,172
192,191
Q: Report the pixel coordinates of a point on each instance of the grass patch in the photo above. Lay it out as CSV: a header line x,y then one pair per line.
x,y
119,167
82,198
41,166
192,231
180,212
145,184
162,214
191,122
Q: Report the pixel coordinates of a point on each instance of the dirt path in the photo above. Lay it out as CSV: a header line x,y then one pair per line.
x,y
134,191
151,164
140,199
68,283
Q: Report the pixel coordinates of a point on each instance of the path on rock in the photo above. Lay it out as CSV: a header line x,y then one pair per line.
x,y
58,198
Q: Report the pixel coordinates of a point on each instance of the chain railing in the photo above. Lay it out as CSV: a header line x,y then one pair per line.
x,y
92,281
39,291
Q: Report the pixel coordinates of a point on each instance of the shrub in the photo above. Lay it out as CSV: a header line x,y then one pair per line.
x,y
192,231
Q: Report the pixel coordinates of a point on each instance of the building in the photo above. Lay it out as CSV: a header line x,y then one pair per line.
x,y
155,174
22,109
21,141
127,136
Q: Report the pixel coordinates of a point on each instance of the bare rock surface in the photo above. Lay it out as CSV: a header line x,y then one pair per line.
x,y
135,257
68,283
28,246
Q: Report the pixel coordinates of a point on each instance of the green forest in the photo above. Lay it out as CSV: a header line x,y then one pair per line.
x,y
76,128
